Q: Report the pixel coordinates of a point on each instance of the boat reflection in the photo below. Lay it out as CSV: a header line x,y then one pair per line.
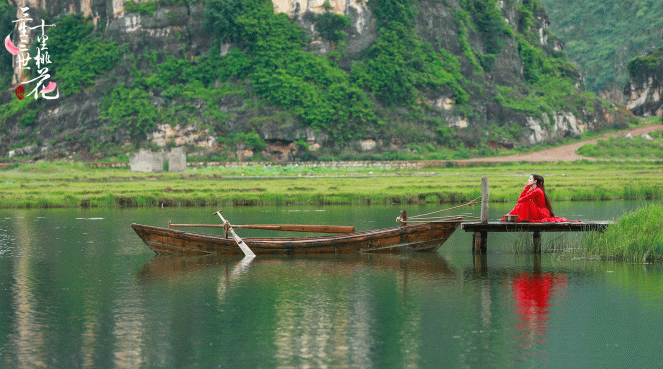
x,y
178,266
320,309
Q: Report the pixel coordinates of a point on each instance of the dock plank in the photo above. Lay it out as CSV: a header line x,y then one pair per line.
x,y
481,230
535,226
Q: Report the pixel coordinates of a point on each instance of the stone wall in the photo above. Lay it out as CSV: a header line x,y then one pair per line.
x,y
402,164
147,161
176,160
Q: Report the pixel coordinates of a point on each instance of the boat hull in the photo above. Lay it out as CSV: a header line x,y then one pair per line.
x,y
418,237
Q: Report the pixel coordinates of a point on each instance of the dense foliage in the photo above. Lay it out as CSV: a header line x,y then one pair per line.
x,y
220,18
551,78
331,26
284,74
399,67
395,80
602,36
646,65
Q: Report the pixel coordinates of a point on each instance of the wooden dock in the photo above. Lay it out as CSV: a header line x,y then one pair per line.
x,y
482,228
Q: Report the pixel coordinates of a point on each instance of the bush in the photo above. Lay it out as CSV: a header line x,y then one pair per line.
x,y
220,18
130,110
92,58
645,65
330,26
635,237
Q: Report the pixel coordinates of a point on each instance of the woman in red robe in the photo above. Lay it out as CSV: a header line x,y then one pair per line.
x,y
533,204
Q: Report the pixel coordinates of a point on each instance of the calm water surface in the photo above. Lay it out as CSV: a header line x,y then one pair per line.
x,y
78,289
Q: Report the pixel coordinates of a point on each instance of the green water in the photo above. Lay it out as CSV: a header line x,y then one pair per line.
x,y
78,289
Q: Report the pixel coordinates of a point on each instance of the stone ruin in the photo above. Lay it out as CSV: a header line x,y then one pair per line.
x,y
147,161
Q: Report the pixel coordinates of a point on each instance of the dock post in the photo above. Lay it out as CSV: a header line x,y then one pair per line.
x,y
484,200
536,241
479,246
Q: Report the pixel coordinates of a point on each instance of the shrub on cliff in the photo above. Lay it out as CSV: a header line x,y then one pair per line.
x,y
646,65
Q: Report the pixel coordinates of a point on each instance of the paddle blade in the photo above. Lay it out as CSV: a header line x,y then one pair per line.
x,y
243,246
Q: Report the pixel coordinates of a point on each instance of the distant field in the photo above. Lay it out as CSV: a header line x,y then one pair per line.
x,y
63,184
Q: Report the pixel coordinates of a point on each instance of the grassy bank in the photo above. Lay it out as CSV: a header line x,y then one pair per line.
x,y
62,184
636,237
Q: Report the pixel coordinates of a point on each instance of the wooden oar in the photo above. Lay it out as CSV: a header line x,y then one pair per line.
x,y
280,227
245,248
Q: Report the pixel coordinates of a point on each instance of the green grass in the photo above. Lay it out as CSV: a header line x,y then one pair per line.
x,y
626,148
63,184
636,237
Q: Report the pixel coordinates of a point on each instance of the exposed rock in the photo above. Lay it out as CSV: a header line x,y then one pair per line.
x,y
243,154
367,145
644,89
644,97
537,134
362,32
566,125
281,151
188,135
459,122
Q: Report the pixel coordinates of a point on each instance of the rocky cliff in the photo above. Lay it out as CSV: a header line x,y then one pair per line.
x,y
501,89
644,90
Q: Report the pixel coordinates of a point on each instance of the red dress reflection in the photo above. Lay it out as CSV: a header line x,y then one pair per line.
x,y
532,293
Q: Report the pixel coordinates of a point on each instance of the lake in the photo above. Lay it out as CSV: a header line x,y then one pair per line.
x,y
78,289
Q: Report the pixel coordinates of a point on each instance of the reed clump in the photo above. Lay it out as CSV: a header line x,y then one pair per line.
x,y
636,237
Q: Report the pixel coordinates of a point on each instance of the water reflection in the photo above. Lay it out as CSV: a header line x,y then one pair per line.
x,y
226,280
321,309
533,292
87,293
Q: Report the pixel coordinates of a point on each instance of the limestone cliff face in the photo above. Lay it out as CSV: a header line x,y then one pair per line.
x,y
643,95
177,30
362,32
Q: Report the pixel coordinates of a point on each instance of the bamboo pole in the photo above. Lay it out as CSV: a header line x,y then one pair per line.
x,y
279,227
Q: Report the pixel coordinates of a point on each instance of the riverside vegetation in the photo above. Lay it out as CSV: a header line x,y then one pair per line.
x,y
637,237
64,184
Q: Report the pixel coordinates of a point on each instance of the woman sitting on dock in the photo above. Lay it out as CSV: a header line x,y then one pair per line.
x,y
533,204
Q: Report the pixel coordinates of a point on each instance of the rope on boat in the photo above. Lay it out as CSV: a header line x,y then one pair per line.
x,y
424,218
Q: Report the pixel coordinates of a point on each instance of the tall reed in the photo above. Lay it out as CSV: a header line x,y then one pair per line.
x,y
635,237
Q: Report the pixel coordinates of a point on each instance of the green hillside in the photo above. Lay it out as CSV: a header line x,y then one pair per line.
x,y
602,36
497,75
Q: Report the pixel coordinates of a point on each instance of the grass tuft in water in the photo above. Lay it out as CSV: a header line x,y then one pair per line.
x,y
636,237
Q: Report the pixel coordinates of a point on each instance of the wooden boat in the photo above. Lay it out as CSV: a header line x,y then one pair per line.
x,y
425,236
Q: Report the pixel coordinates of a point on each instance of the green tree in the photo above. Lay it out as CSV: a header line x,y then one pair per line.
x,y
220,18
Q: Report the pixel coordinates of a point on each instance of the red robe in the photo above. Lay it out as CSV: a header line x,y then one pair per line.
x,y
532,207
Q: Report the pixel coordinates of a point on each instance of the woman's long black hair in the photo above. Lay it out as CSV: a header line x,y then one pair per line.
x,y
539,183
